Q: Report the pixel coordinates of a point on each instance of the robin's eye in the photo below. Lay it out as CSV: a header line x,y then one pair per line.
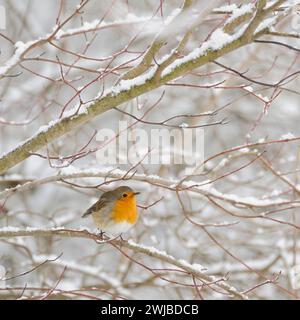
x,y
124,195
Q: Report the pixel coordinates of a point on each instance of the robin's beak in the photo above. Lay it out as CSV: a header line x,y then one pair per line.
x,y
136,193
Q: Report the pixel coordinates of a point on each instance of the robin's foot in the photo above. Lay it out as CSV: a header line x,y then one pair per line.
x,y
101,234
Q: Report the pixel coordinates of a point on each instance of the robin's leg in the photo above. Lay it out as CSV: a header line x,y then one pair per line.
x,y
121,237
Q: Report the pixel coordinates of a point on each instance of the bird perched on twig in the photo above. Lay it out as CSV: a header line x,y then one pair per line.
x,y
116,211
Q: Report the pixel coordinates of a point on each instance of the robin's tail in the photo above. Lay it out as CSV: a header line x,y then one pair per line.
x,y
87,213
95,207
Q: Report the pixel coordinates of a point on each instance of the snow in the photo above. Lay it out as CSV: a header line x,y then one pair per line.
x,y
21,47
249,200
126,85
267,23
172,16
202,188
16,58
249,88
293,2
149,249
154,239
217,41
244,150
154,251
27,229
45,128
9,229
288,135
183,125
223,162
97,23
68,170
226,8
237,12
71,170
195,266
74,111
275,193
87,26
14,176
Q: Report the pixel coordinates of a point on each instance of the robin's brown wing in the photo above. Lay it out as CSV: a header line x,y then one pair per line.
x,y
95,207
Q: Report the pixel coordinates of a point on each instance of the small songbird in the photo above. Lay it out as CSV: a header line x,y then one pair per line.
x,y
116,211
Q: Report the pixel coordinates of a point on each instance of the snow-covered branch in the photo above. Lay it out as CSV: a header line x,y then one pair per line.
x,y
191,269
205,188
219,44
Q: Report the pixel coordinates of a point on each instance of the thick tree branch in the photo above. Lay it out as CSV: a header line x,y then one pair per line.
x,y
123,92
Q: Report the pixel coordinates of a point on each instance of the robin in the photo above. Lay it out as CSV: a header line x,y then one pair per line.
x,y
116,211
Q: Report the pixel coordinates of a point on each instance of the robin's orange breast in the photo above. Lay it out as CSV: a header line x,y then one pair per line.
x,y
125,210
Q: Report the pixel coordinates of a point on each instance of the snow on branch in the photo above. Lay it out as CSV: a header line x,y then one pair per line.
x,y
21,49
203,188
96,272
98,24
219,44
191,269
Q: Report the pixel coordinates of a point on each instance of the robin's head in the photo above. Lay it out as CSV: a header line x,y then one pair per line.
x,y
124,193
